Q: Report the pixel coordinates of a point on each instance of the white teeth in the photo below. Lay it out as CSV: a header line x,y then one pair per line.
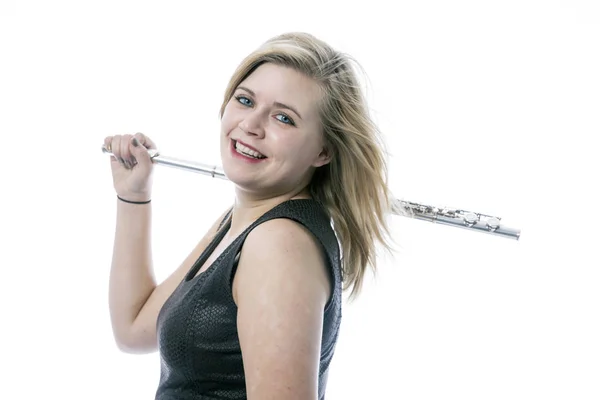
x,y
246,151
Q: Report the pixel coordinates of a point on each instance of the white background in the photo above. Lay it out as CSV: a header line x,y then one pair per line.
x,y
487,106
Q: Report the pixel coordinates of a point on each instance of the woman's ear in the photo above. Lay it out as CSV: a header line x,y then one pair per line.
x,y
323,158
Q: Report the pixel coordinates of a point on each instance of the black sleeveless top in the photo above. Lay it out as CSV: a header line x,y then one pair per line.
x,y
199,349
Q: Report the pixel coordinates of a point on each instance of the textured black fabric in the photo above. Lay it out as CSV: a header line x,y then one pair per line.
x,y
197,326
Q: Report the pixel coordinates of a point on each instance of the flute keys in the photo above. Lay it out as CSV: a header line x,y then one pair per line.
x,y
493,223
471,218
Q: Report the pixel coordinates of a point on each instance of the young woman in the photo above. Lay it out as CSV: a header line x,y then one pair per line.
x,y
254,311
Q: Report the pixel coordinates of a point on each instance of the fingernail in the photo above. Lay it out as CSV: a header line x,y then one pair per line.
x,y
135,142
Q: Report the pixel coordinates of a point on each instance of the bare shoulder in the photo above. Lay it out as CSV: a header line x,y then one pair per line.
x,y
281,287
284,249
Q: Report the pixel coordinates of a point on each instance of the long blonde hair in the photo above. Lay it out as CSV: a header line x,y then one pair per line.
x,y
353,185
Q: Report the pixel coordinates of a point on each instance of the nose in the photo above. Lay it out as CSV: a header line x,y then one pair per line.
x,y
252,123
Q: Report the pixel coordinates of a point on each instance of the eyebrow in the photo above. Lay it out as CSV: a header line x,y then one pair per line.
x,y
275,103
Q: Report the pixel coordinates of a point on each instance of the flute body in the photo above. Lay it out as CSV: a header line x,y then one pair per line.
x,y
441,215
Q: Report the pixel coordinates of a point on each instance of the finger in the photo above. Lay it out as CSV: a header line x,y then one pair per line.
x,y
145,140
139,151
117,150
108,146
125,152
108,142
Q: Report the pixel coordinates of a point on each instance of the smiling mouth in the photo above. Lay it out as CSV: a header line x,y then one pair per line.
x,y
246,151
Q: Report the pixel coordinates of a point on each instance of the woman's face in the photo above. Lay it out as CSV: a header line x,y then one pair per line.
x,y
270,131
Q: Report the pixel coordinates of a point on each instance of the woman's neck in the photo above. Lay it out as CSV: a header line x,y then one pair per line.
x,y
248,209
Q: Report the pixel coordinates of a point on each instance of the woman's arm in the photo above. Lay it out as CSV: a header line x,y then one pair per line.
x,y
135,299
281,287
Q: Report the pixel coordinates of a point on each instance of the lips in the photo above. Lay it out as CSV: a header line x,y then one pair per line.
x,y
247,159
242,148
248,146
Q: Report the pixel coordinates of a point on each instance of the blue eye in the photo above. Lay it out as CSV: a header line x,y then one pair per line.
x,y
285,119
243,99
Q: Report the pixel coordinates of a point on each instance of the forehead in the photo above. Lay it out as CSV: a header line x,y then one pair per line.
x,y
276,83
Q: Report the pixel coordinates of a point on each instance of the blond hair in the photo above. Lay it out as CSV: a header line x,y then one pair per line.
x,y
353,185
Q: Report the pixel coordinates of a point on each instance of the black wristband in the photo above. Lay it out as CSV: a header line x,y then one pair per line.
x,y
133,202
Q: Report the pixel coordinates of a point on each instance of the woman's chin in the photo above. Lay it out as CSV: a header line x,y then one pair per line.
x,y
240,176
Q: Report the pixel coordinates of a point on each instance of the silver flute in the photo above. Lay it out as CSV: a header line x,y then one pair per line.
x,y
441,215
